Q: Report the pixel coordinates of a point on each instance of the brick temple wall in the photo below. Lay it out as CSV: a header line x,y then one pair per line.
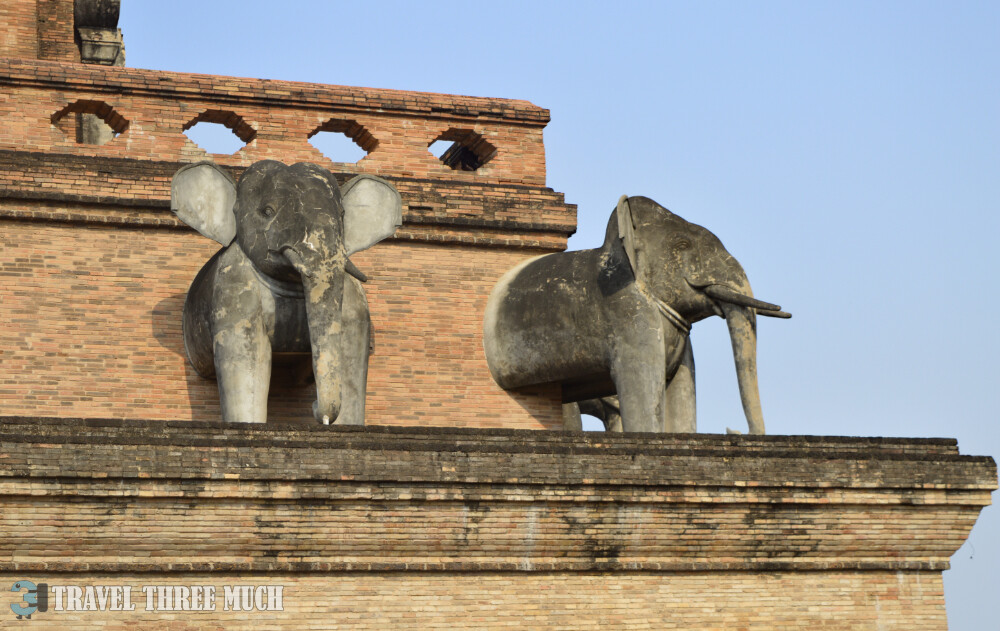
x,y
19,29
151,109
93,328
56,37
94,267
392,527
38,29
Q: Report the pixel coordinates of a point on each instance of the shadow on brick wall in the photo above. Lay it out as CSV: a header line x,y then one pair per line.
x,y
166,323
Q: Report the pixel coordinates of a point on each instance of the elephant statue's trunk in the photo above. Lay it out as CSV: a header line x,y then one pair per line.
x,y
742,322
323,287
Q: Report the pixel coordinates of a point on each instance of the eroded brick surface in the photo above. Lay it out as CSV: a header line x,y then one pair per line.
x,y
427,527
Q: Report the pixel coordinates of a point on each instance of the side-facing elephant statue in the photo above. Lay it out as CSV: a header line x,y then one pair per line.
x,y
282,283
616,319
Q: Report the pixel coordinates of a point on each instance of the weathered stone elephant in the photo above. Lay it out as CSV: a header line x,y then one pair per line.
x,y
283,282
617,319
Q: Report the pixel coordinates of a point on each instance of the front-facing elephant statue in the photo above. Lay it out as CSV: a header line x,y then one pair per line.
x,y
282,283
617,319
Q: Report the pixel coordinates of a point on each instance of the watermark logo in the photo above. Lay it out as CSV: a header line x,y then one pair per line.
x,y
36,599
165,598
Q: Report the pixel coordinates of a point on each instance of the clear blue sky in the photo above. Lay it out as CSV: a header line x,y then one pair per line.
x,y
846,153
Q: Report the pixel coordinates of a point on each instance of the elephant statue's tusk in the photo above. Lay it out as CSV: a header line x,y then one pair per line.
x,y
725,294
353,270
296,261
774,314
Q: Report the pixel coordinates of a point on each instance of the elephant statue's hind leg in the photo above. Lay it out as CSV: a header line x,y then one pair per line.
x,y
571,417
606,409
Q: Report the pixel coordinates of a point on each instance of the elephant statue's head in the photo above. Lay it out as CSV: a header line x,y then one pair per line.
x,y
294,224
687,271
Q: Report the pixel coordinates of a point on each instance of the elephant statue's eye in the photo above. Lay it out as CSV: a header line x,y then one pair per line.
x,y
683,245
267,211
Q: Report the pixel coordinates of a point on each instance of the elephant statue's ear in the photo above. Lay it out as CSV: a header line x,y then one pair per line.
x,y
626,232
203,195
373,210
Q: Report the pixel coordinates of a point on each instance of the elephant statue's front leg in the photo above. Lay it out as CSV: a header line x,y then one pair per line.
x,y
243,368
240,344
681,415
638,369
357,344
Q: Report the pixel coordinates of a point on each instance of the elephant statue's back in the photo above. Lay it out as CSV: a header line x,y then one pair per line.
x,y
521,327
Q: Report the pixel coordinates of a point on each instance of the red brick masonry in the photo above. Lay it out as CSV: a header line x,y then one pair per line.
x,y
157,106
94,267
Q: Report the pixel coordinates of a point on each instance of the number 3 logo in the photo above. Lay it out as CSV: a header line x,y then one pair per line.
x,y
37,599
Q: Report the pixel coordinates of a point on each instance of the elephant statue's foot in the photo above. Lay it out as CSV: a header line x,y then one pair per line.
x,y
344,418
324,419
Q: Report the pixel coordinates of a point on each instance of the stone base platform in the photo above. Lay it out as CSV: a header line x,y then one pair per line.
x,y
379,527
